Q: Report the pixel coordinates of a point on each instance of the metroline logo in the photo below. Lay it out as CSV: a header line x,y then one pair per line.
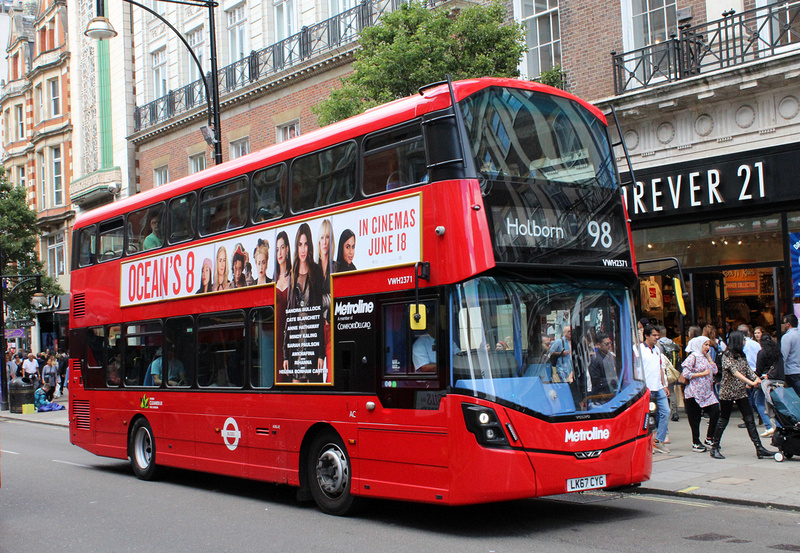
x,y
586,435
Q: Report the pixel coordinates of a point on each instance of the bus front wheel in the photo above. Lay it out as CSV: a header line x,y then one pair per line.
x,y
329,474
142,450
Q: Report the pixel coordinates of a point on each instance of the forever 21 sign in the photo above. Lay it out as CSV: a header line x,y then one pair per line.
x,y
713,184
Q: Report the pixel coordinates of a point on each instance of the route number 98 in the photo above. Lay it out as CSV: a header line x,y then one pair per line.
x,y
601,233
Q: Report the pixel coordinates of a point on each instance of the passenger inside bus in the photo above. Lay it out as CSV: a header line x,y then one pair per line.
x,y
424,349
154,239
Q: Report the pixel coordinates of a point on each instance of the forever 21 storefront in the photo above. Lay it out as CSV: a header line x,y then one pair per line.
x,y
732,221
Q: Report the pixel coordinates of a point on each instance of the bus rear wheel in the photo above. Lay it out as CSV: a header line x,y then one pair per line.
x,y
142,450
329,474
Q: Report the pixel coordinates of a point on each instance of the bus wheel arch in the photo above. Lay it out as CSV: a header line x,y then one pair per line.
x,y
142,449
326,471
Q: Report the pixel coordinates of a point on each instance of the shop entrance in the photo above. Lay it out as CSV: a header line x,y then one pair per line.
x,y
736,295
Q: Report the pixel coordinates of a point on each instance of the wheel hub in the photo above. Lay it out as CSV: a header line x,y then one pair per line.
x,y
332,471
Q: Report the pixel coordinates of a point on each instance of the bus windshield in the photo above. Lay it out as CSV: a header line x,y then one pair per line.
x,y
525,135
557,350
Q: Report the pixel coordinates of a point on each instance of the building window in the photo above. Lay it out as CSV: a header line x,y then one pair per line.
x,y
42,180
160,176
237,33
196,41
653,21
240,147
55,97
159,59
20,123
288,131
39,115
543,35
55,255
58,177
197,163
284,19
21,176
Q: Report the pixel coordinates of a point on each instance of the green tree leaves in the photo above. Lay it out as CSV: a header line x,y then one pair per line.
x,y
414,46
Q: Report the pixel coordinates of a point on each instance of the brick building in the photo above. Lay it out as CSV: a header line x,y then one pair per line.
x,y
35,102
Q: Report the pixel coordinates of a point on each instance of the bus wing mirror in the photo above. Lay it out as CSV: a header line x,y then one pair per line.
x,y
417,318
677,286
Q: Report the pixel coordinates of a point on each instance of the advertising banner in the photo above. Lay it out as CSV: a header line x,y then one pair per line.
x,y
298,260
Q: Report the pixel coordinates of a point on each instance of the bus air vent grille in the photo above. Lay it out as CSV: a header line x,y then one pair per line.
x,y
79,305
81,412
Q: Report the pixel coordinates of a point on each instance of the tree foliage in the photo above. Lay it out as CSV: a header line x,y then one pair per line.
x,y
414,46
18,238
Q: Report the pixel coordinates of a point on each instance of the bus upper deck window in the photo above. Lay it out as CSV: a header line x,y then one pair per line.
x,y
145,229
182,215
394,159
223,206
267,193
111,238
87,246
324,178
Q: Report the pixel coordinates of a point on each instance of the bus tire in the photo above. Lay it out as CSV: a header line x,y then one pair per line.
x,y
329,474
142,450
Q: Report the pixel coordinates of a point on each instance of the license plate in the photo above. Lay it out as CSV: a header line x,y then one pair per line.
x,y
586,483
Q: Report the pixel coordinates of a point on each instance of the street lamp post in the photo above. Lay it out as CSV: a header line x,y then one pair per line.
x,y
37,300
100,28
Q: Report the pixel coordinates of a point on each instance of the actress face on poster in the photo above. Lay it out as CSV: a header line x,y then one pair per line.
x,y
283,261
324,247
347,252
261,258
221,282
205,277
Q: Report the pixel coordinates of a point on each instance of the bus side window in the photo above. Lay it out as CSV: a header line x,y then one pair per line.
x,y
182,215
267,193
394,159
324,178
223,206
87,246
220,351
95,357
145,229
142,347
112,238
262,348
180,348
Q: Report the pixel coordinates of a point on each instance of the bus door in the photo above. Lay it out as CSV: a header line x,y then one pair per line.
x,y
404,439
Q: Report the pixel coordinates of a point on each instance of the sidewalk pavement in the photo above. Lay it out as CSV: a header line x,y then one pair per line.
x,y
740,478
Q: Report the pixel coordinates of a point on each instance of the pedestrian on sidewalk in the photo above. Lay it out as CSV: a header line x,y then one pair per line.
x,y
769,367
736,377
30,369
656,382
672,352
699,371
50,376
790,348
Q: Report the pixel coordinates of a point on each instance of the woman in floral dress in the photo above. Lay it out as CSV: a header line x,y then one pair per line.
x,y
699,371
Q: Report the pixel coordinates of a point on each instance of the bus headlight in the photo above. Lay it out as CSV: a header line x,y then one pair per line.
x,y
483,422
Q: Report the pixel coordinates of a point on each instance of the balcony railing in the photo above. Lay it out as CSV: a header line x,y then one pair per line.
x,y
733,40
309,42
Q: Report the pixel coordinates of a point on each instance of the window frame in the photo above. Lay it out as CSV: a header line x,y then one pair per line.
x,y
226,196
293,171
255,208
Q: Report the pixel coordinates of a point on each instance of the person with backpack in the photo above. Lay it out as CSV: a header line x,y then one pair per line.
x,y
671,351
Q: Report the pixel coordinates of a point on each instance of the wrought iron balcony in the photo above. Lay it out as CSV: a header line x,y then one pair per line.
x,y
311,41
734,40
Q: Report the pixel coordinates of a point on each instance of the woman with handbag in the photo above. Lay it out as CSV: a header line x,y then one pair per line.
x,y
736,377
698,393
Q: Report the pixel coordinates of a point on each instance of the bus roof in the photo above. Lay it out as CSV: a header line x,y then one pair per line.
x,y
377,118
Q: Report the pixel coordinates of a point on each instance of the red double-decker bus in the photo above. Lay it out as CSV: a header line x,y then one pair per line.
x,y
429,302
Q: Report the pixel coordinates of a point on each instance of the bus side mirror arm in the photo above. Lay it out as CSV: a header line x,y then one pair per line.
x,y
422,270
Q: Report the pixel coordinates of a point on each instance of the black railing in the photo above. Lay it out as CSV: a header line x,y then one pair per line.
x,y
733,40
311,41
